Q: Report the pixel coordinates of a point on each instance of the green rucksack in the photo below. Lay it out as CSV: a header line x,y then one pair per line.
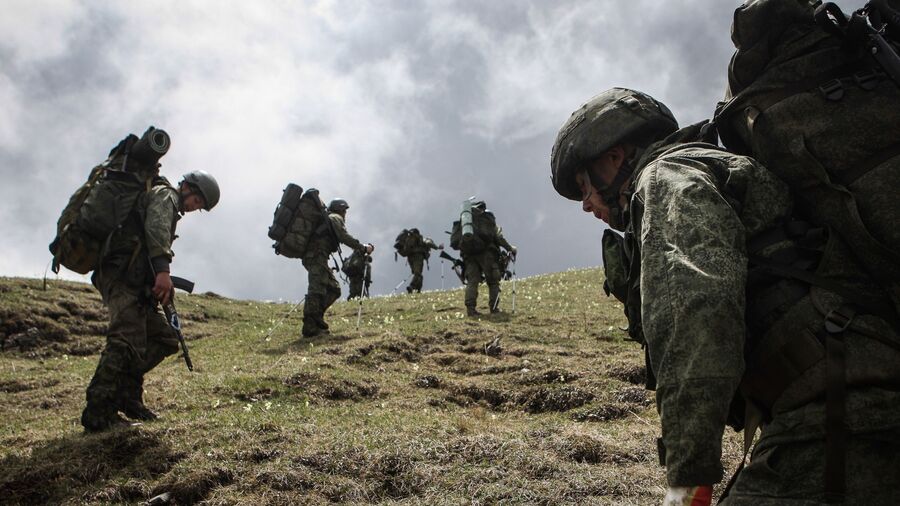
x,y
297,217
355,265
106,199
812,104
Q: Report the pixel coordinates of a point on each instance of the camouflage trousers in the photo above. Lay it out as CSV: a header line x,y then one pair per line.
x,y
416,265
356,286
484,265
793,473
323,290
137,340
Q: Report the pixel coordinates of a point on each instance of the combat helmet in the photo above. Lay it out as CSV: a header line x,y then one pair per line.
x,y
612,117
206,185
338,206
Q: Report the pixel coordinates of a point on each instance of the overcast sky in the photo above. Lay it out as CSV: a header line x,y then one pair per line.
x,y
402,108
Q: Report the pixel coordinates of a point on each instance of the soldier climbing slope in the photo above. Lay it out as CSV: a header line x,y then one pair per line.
x,y
479,239
708,238
324,289
416,248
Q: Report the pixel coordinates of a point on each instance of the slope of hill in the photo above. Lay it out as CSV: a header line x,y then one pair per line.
x,y
419,406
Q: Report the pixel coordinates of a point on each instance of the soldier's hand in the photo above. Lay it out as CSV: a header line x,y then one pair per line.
x,y
441,246
514,251
688,496
163,288
370,248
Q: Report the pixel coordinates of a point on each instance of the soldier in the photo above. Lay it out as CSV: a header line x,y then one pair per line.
x,y
484,263
417,248
324,289
358,268
133,280
693,216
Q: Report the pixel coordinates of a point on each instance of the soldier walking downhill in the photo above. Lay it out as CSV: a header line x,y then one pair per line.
x,y
323,288
133,280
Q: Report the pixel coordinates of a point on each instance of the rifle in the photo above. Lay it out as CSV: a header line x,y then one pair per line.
x,y
459,266
175,321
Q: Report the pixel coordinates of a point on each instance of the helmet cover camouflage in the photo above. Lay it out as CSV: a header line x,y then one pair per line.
x,y
615,116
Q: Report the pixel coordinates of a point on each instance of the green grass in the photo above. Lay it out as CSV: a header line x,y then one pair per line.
x,y
408,409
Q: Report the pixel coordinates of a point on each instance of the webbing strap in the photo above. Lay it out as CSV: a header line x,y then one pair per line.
x,y
752,421
836,322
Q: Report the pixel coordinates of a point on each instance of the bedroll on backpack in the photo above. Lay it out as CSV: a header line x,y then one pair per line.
x,y
485,230
105,200
297,216
819,111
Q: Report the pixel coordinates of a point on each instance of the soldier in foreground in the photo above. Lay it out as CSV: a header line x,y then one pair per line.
x,y
324,289
480,252
416,248
133,279
693,215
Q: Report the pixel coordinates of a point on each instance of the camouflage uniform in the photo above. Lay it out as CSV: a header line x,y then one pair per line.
x,y
323,288
139,337
416,260
691,214
485,265
356,274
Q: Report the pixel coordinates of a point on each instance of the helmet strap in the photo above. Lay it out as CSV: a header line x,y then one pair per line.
x,y
612,193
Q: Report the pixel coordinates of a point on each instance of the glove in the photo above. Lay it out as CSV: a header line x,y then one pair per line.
x,y
688,496
514,252
369,248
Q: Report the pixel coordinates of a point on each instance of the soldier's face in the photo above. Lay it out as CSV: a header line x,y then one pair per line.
x,y
604,170
591,202
191,200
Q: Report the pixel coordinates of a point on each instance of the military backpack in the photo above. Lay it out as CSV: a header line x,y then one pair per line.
x,y
484,236
110,194
297,217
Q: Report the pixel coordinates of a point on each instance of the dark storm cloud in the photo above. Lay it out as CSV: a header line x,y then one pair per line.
x,y
403,108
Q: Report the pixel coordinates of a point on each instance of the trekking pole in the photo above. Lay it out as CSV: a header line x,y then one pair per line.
x,y
442,274
358,312
514,287
400,284
283,318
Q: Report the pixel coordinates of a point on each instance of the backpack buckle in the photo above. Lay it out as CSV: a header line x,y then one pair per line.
x,y
833,90
867,79
837,320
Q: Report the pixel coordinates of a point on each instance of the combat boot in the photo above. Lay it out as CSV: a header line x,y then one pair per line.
x,y
98,419
471,311
311,328
131,400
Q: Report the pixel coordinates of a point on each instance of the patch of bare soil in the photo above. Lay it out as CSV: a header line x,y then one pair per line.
x,y
195,485
16,386
634,374
634,396
602,413
545,399
392,350
52,328
548,376
318,386
428,381
589,450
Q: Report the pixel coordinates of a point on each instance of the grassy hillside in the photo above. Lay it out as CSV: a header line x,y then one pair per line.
x,y
419,406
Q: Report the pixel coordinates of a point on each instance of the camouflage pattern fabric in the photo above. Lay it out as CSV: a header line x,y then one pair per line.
x,y
692,210
323,289
138,337
356,286
485,265
416,261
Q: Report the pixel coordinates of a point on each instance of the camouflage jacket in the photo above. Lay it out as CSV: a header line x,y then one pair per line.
x,y
424,247
148,233
323,243
692,208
